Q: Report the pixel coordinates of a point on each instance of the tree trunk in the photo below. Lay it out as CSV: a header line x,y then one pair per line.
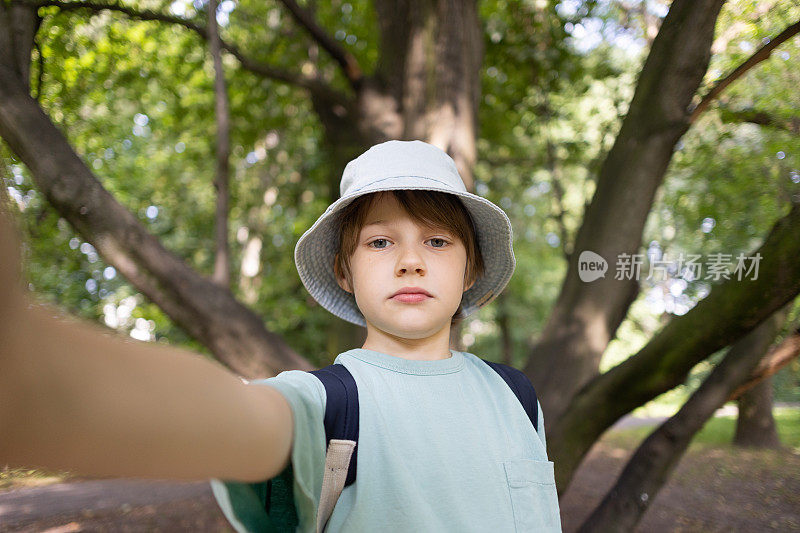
x,y
731,310
427,82
18,27
222,260
755,425
586,315
654,460
426,86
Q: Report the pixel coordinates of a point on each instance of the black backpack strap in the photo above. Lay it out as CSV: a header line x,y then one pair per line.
x,y
341,410
522,388
341,422
278,499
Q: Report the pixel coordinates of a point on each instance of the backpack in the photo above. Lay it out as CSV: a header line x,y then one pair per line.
x,y
268,506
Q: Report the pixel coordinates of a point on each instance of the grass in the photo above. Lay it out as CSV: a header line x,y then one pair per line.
x,y
718,432
17,478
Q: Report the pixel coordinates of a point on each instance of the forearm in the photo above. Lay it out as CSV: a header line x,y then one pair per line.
x,y
74,396
78,398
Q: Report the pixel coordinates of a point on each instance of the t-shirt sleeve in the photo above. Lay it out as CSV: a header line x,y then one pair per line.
x,y
243,503
306,396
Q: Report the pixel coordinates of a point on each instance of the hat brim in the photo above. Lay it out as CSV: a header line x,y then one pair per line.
x,y
316,249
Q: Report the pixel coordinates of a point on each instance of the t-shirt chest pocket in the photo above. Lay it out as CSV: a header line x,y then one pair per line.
x,y
533,495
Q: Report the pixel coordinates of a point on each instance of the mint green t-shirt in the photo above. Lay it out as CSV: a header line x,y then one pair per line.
x,y
443,445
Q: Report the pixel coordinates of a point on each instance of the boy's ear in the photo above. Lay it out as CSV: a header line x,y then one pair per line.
x,y
343,284
340,279
471,283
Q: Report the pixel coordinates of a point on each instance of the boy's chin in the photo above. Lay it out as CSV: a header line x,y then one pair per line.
x,y
411,329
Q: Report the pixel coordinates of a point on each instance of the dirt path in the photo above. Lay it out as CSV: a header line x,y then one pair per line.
x,y
118,505
711,490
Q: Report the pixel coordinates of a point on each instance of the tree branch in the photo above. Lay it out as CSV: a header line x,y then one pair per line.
x,y
791,124
313,84
778,358
346,60
760,55
138,14
731,310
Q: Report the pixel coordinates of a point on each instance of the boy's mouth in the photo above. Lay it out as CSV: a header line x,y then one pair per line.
x,y
411,295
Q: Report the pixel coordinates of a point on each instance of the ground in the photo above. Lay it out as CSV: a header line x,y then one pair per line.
x,y
712,490
715,487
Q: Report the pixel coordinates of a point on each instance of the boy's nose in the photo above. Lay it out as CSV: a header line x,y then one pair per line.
x,y
410,261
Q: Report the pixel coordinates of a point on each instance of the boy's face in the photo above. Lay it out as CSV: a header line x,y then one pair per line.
x,y
393,252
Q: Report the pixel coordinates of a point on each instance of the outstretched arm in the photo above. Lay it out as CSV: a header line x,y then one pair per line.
x,y
75,397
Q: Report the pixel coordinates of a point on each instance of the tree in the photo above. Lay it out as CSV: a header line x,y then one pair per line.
x,y
755,425
655,458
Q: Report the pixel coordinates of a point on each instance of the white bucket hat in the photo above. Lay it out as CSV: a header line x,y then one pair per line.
x,y
395,165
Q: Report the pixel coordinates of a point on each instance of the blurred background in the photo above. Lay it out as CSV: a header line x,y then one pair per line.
x,y
162,164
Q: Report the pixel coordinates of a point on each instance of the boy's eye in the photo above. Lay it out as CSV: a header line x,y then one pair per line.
x,y
437,239
377,240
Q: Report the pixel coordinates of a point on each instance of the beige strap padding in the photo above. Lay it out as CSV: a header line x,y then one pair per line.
x,y
337,462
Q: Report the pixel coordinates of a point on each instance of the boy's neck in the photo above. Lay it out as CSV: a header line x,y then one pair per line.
x,y
434,347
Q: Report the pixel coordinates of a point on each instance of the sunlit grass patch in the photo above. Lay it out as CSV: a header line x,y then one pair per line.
x,y
16,478
717,432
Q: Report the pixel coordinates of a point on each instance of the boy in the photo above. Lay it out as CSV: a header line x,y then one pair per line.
x,y
444,444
